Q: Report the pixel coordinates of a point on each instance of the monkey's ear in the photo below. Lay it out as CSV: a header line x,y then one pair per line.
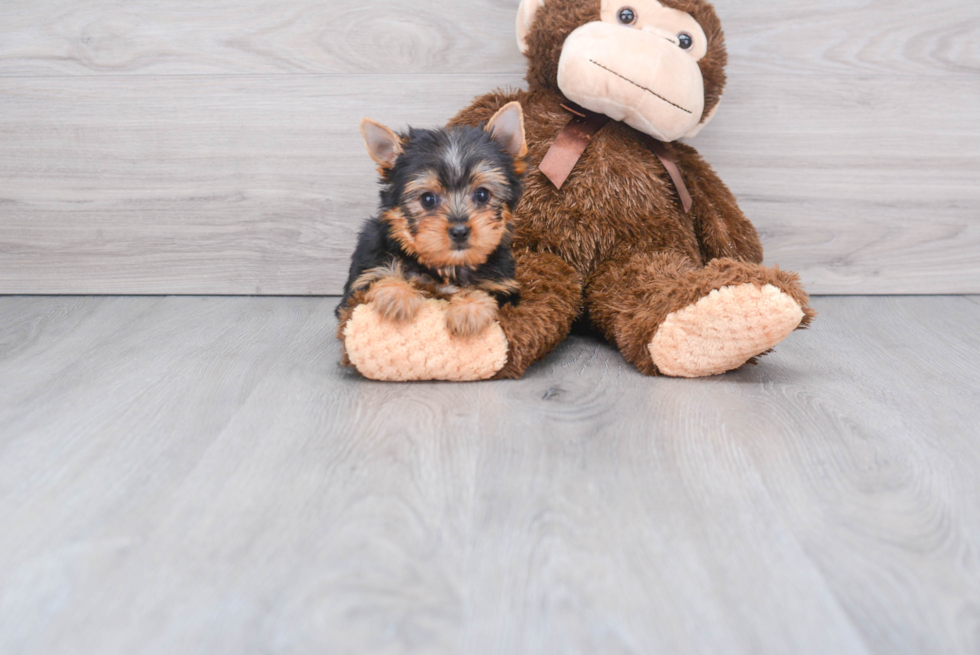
x,y
507,128
525,16
383,145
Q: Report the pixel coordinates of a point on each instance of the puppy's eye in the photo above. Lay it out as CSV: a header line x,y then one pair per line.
x,y
481,195
626,16
428,200
685,41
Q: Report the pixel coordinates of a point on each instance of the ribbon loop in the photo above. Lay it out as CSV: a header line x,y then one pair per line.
x,y
575,137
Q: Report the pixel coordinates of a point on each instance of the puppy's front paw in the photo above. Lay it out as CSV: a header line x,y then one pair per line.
x,y
395,300
470,313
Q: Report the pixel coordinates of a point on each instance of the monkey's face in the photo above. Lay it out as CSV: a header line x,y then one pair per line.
x,y
639,65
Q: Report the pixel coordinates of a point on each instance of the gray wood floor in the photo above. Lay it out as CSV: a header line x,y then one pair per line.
x,y
189,147
197,475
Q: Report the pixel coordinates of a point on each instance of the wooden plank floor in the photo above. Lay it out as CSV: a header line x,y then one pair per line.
x,y
212,148
197,475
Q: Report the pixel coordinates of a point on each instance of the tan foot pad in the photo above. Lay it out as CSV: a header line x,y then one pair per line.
x,y
723,330
422,349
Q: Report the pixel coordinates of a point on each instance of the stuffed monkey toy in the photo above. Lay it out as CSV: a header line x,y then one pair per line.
x,y
618,222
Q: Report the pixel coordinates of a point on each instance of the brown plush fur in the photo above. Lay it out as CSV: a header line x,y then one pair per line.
x,y
614,242
617,220
551,298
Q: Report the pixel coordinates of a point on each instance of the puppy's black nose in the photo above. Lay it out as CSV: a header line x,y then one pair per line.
x,y
459,232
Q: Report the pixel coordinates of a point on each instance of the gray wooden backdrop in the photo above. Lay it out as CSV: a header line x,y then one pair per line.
x,y
188,147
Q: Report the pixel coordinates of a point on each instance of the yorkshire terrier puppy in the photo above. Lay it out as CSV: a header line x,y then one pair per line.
x,y
444,228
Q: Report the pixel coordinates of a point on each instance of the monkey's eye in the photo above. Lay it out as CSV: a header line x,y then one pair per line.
x,y
481,195
685,41
428,200
626,16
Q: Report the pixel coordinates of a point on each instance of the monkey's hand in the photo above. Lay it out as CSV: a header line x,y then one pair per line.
x,y
421,348
425,349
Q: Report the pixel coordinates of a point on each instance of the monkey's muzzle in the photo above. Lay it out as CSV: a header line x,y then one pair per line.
x,y
633,76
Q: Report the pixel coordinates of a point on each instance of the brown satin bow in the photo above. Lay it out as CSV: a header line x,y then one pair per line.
x,y
574,138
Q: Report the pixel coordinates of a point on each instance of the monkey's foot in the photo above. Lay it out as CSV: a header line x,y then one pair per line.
x,y
723,330
422,349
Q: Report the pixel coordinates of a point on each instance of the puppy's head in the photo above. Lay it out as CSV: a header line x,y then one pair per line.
x,y
449,193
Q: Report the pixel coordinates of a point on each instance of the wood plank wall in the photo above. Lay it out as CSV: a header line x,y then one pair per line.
x,y
212,148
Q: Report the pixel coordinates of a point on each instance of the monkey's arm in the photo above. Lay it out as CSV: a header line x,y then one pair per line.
x,y
551,298
423,349
722,229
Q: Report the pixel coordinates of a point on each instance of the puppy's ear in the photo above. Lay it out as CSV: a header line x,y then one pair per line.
x,y
383,145
507,128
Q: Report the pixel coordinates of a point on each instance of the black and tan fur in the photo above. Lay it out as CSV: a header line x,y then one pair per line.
x,y
460,181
